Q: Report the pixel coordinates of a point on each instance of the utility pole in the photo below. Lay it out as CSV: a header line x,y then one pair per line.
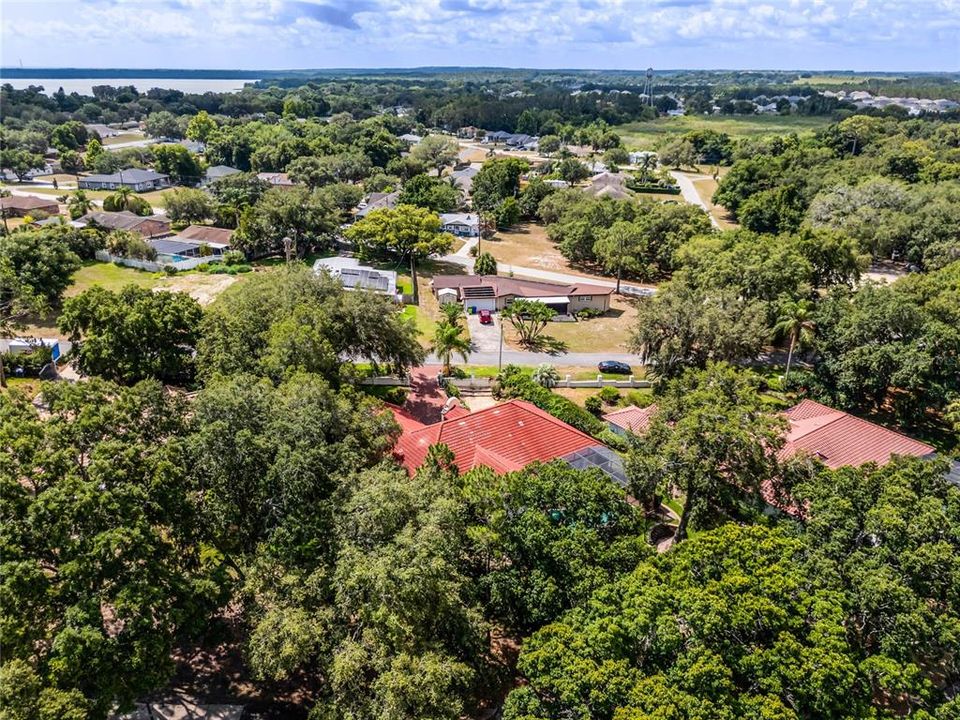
x,y
500,359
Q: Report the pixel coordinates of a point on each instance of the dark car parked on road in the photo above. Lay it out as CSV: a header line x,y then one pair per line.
x,y
614,366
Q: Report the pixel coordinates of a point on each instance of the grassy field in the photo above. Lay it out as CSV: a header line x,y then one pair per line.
x,y
705,189
110,277
527,245
650,135
202,287
123,138
28,386
608,333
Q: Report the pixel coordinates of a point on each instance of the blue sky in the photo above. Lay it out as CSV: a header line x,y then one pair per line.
x,y
631,34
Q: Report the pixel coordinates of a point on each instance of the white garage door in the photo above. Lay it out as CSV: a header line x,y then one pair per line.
x,y
480,303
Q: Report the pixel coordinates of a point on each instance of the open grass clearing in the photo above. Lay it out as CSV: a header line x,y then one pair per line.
x,y
123,138
61,178
527,245
34,189
651,134
705,189
608,333
27,386
110,277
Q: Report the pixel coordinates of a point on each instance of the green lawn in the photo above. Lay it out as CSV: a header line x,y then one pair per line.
x,y
28,386
650,135
425,324
154,197
110,277
123,138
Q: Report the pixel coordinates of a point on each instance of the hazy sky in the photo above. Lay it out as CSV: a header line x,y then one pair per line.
x,y
630,34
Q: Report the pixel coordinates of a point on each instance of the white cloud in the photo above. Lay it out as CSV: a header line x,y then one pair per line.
x,y
580,33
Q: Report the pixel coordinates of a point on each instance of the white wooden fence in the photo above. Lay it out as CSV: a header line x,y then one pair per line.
x,y
151,265
473,382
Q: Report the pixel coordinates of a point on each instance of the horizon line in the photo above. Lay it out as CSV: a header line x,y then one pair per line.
x,y
412,68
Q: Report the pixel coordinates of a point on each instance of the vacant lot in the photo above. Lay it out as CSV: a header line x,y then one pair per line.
x,y
202,287
154,197
650,135
123,138
608,333
110,277
527,245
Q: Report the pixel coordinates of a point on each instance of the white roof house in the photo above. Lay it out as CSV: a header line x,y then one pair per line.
x,y
461,224
354,276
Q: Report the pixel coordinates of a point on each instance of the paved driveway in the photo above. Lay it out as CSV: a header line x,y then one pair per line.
x,y
486,338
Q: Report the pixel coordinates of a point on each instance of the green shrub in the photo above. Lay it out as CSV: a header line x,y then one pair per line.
x,y
587,313
30,362
610,395
244,269
169,270
546,375
613,441
234,257
638,398
593,404
513,382
451,390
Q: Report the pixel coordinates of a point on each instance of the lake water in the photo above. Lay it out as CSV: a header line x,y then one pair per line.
x,y
84,86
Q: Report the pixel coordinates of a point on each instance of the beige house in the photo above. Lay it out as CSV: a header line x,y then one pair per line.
x,y
493,292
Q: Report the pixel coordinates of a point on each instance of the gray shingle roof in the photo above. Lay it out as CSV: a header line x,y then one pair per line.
x,y
130,175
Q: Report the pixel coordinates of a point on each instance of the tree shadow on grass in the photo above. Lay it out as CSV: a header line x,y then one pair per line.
x,y
546,344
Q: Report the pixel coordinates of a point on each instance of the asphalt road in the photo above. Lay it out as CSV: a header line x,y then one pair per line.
x,y
519,357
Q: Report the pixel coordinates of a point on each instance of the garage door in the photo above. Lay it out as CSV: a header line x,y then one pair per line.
x,y
480,304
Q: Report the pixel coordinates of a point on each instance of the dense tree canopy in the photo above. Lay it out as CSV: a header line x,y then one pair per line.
x,y
279,323
101,567
134,334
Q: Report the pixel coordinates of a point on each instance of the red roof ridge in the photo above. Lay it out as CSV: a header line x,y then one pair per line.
x,y
840,415
530,407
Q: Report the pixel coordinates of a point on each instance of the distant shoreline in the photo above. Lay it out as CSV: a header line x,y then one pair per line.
x,y
17,73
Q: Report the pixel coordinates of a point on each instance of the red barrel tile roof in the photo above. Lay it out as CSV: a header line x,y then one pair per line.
x,y
504,437
838,439
632,418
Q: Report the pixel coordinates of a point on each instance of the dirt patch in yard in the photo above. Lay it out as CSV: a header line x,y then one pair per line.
x,y
527,245
201,287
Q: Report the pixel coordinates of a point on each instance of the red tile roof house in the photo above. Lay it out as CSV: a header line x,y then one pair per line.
x,y
493,292
504,438
839,439
835,438
631,419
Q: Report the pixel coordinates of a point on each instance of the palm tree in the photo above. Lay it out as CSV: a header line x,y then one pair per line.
x,y
795,322
452,313
646,163
79,204
449,340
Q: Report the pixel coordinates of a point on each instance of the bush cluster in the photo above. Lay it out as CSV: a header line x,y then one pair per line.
x,y
514,383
